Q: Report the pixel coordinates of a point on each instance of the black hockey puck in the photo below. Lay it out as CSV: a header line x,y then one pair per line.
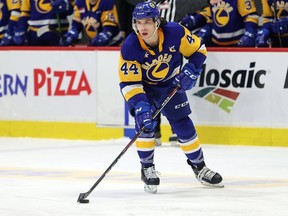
x,y
84,201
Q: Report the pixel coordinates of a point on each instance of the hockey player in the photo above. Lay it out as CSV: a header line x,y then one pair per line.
x,y
42,23
274,31
149,68
9,15
172,11
98,19
228,23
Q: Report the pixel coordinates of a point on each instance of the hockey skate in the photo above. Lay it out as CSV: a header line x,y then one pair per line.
x,y
173,140
206,176
150,179
158,138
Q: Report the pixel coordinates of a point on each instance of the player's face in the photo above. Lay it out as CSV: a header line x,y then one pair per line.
x,y
146,27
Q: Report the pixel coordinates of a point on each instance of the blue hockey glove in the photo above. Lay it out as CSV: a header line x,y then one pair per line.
x,y
280,26
205,33
143,117
263,38
248,39
187,77
189,22
61,6
20,37
101,39
70,37
7,39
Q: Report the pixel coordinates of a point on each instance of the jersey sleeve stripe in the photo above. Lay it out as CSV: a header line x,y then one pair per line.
x,y
130,91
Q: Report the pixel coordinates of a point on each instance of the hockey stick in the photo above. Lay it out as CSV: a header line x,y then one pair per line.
x,y
82,197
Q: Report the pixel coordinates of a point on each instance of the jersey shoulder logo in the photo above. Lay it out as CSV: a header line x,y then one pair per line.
x,y
172,49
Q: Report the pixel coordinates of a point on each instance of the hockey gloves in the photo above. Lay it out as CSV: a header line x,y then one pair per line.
x,y
280,26
248,39
187,77
70,37
205,33
7,39
101,39
263,38
193,22
20,37
189,22
143,117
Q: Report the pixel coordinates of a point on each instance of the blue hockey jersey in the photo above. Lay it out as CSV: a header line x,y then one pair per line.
x,y
140,66
231,18
93,18
9,15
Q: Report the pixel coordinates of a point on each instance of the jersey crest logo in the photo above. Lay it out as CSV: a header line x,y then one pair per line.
x,y
91,26
158,69
42,7
221,13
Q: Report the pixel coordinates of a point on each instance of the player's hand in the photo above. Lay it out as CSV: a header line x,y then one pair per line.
x,y
189,22
263,38
20,37
7,39
143,117
280,26
70,37
187,77
248,39
205,33
101,39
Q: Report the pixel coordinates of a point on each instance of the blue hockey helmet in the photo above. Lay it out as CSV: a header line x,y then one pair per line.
x,y
146,9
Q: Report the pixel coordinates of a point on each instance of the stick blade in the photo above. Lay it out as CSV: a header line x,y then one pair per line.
x,y
81,198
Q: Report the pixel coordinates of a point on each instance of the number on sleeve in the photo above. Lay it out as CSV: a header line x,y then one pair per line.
x,y
248,4
190,39
133,68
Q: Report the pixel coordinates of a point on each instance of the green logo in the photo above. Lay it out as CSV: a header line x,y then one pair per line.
x,y
223,98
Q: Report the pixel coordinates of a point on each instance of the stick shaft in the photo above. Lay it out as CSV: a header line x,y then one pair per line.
x,y
85,195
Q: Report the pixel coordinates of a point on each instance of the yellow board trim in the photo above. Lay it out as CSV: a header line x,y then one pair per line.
x,y
237,135
61,130
90,131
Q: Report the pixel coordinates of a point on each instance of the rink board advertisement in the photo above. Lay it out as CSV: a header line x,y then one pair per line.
x,y
245,89
237,89
48,86
242,89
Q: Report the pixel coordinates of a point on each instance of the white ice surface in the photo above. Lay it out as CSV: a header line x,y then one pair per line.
x,y
43,177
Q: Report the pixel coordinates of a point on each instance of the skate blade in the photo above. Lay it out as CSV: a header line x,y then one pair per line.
x,y
219,185
150,189
174,144
158,142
